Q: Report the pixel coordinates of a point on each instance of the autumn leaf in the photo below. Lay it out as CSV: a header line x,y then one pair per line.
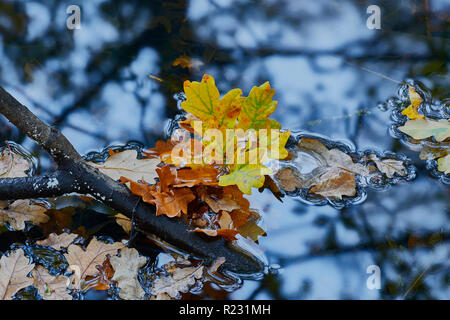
x,y
50,287
102,279
257,108
58,242
123,221
14,270
126,164
95,254
335,183
202,101
13,165
178,280
288,179
425,128
388,166
412,110
126,269
251,230
21,211
444,164
335,173
246,177
174,202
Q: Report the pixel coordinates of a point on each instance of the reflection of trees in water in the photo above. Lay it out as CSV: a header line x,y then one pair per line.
x,y
412,43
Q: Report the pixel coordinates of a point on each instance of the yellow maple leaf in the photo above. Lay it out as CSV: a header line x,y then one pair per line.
x,y
257,108
412,110
202,101
245,176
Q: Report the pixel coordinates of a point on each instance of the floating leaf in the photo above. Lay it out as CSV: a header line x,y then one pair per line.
x,y
178,280
425,128
20,211
13,165
50,287
335,183
257,108
412,110
288,179
126,270
245,176
86,261
444,164
58,242
14,270
388,166
126,164
102,279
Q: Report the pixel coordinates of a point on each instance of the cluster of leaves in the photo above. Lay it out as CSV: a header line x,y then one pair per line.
x,y
192,194
98,266
334,172
208,195
432,135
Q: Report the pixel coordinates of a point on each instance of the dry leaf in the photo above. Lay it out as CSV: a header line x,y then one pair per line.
x,y
288,180
388,166
173,203
425,128
21,211
251,230
58,242
334,176
50,287
126,270
126,164
13,165
85,262
335,183
178,280
444,164
14,270
124,222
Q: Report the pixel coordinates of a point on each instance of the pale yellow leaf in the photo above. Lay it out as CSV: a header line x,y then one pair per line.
x,y
126,269
14,270
126,164
21,211
50,287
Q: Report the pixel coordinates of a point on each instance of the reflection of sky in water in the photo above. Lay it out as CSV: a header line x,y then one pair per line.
x,y
317,91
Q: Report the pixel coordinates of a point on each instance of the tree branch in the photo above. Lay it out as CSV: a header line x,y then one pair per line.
x,y
76,175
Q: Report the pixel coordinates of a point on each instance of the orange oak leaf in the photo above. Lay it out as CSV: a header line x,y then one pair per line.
x,y
174,202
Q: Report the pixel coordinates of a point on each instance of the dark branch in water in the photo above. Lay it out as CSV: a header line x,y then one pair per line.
x,y
76,175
